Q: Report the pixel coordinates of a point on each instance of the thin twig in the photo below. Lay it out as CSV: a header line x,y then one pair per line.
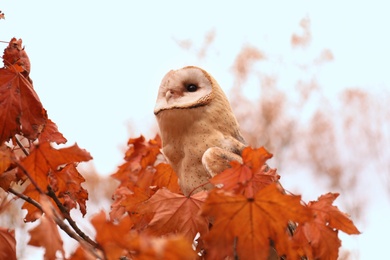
x,y
59,222
26,198
21,146
75,236
73,224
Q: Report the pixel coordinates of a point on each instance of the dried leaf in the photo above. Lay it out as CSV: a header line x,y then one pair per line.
x,y
244,226
251,176
318,238
46,235
15,54
44,158
21,111
50,133
7,244
5,158
176,213
69,188
113,238
166,177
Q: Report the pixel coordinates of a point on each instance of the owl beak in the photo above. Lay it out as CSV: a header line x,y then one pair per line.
x,y
170,93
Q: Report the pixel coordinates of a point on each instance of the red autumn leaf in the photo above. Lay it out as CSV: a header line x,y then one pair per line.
x,y
81,254
176,213
50,133
69,188
248,224
2,15
251,176
317,241
46,235
5,158
15,54
318,238
7,244
44,158
140,157
21,111
32,212
166,177
7,178
113,238
168,247
141,152
129,201
331,215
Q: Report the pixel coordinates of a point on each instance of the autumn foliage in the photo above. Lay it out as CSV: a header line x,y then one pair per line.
x,y
248,215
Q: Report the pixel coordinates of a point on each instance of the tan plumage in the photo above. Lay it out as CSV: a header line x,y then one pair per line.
x,y
199,131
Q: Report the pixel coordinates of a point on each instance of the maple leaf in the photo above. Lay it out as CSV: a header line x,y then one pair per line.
x,y
318,238
7,244
46,235
244,226
140,157
32,211
15,54
171,247
69,187
50,133
176,213
44,158
330,215
81,254
166,177
21,111
251,176
5,158
141,152
7,178
113,238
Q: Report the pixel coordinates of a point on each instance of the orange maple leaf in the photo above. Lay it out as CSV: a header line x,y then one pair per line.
x,y
50,133
15,54
7,244
251,176
318,238
33,212
245,226
69,188
141,152
166,177
140,158
44,158
5,158
176,213
21,111
46,235
114,238
172,247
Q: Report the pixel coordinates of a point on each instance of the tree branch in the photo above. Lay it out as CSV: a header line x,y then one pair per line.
x,y
26,198
21,146
71,222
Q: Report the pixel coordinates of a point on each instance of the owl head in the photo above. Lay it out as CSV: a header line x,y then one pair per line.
x,y
186,88
191,95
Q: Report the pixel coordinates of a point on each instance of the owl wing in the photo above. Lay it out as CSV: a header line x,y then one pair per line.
x,y
217,159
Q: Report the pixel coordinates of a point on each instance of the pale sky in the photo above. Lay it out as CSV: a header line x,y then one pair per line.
x,y
97,65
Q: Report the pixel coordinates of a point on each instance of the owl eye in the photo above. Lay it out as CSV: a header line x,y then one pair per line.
x,y
192,87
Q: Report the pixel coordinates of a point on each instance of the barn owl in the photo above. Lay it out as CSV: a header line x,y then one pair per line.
x,y
200,134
